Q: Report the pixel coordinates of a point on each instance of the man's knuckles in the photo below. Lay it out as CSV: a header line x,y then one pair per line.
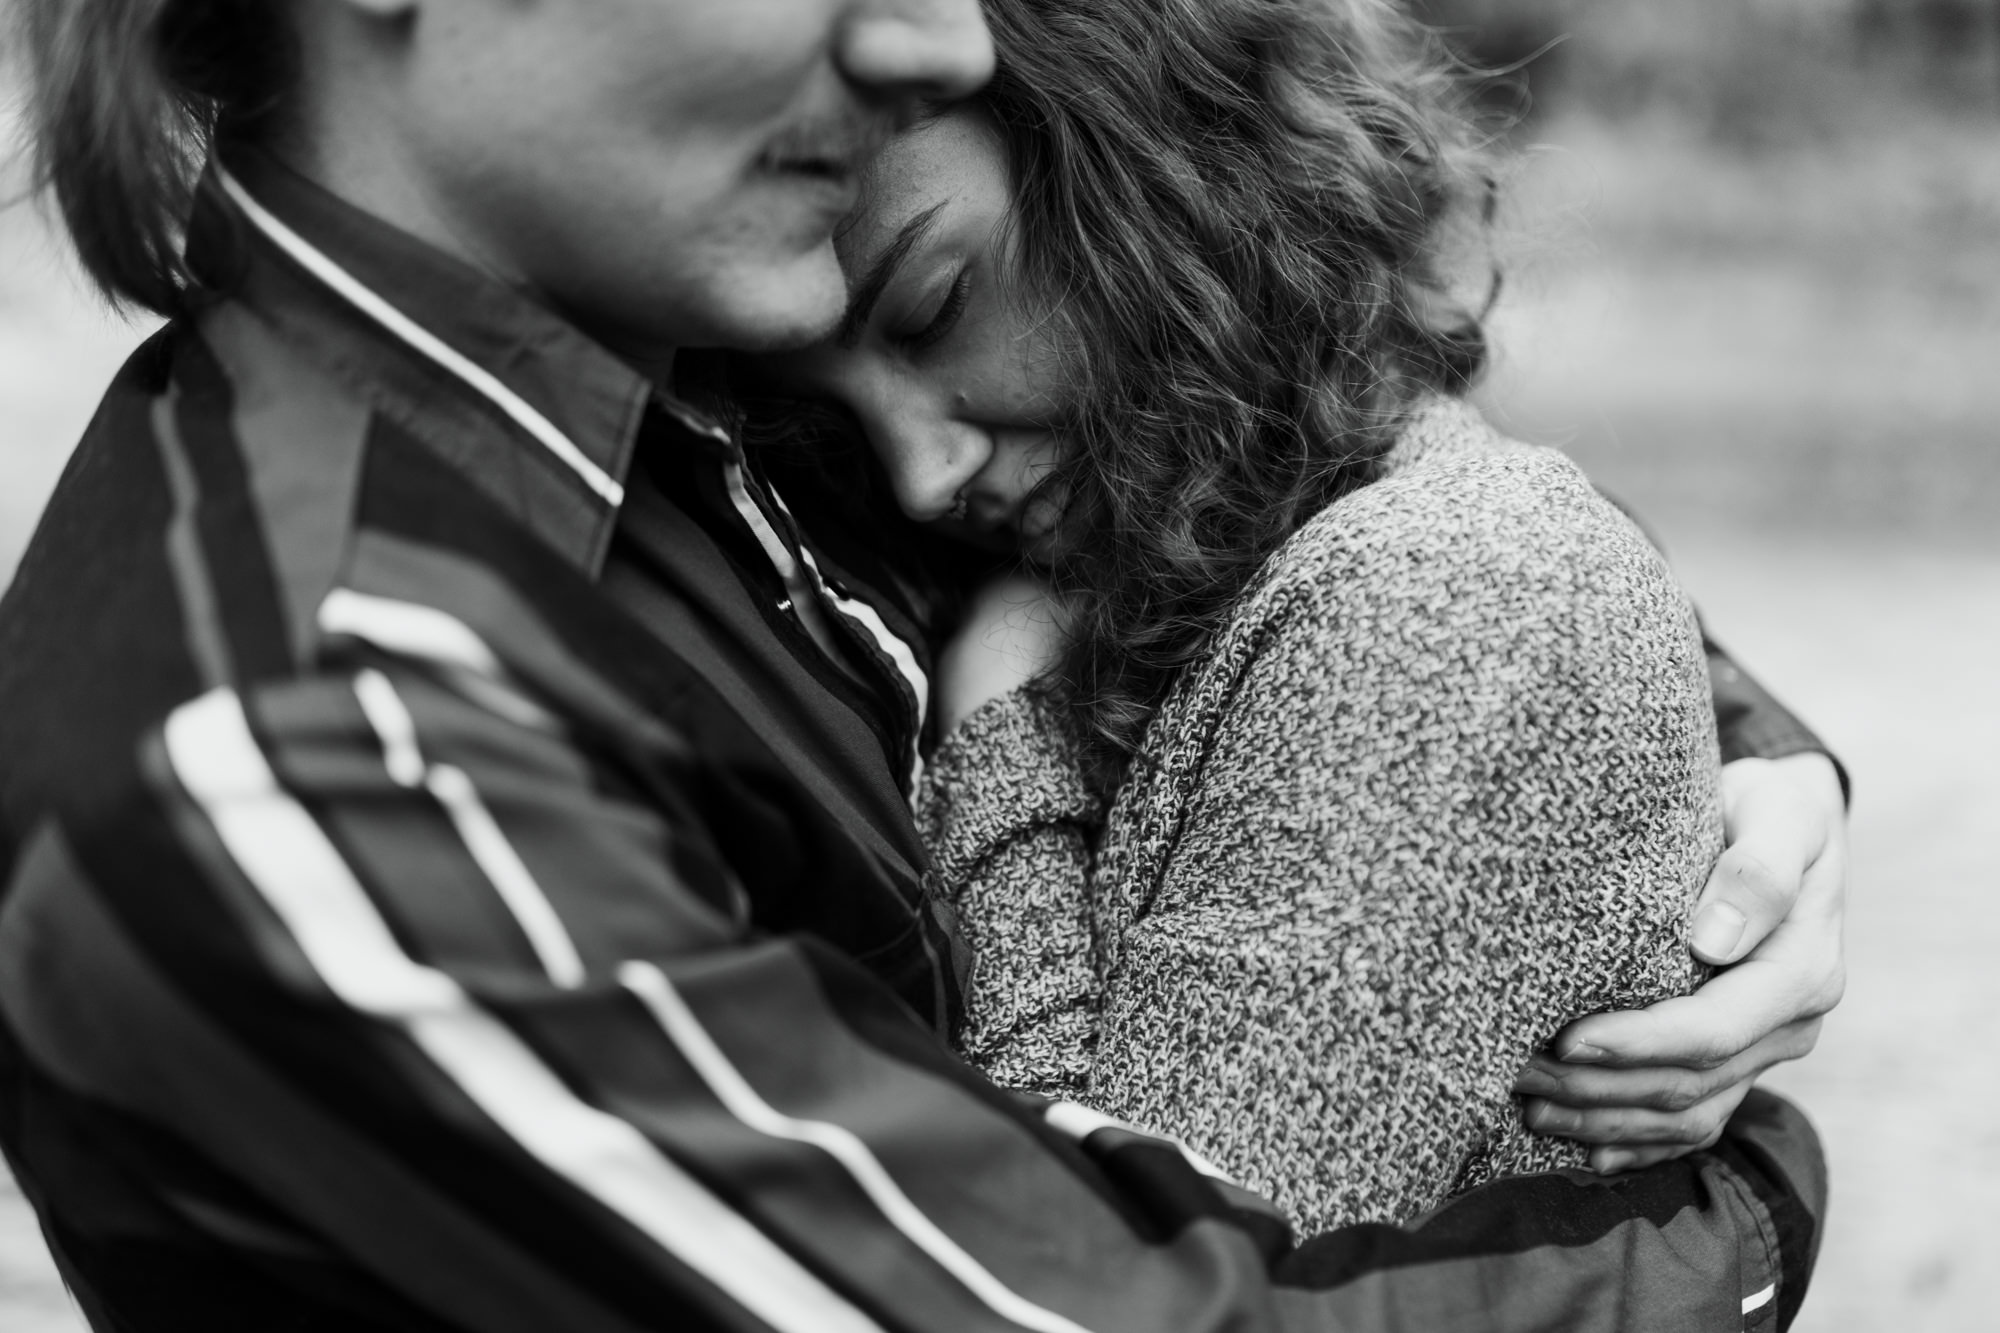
x,y
1682,1090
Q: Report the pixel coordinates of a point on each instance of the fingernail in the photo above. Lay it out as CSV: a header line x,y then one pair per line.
x,y
1532,1082
1552,1119
1610,1160
1717,929
1583,1053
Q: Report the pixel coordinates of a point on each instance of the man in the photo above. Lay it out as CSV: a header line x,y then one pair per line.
x,y
446,804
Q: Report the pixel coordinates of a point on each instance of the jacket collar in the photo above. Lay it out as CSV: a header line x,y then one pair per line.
x,y
526,406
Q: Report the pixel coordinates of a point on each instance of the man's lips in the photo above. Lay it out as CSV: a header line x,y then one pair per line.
x,y
836,168
831,183
835,153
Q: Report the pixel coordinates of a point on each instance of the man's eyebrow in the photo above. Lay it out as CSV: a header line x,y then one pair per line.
x,y
865,293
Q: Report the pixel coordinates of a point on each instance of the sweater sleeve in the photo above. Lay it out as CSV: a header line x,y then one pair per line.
x,y
1010,823
1750,721
1454,785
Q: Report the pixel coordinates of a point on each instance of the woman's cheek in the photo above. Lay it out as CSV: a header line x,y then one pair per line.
x,y
1041,516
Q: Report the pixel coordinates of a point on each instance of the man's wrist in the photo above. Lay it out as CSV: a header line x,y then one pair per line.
x,y
1817,765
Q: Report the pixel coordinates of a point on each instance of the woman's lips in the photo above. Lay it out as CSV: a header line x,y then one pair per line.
x,y
998,523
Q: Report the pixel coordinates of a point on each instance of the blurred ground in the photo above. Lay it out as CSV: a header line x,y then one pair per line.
x,y
1780,343
1892,647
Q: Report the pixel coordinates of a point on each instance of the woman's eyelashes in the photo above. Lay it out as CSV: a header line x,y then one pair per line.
x,y
938,325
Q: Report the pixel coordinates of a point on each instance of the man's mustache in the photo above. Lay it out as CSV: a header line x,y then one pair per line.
x,y
841,144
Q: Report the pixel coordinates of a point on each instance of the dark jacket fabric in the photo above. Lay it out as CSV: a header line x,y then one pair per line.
x,y
452,882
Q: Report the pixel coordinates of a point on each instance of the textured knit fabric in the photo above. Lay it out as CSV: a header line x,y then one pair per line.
x,y
1446,781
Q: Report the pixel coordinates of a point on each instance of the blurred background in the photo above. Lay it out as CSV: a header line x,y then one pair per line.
x,y
1752,251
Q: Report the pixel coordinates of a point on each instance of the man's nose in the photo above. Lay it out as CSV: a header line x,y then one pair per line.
x,y
934,49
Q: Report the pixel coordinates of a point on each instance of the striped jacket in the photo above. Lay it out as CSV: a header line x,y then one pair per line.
x,y
458,875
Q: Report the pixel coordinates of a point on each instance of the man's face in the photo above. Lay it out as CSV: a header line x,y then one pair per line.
x,y
670,172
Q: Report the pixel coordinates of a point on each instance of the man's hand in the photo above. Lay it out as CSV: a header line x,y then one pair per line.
x,y
1651,1084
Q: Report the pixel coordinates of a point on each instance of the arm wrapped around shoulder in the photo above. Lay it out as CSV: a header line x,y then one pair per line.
x,y
1448,782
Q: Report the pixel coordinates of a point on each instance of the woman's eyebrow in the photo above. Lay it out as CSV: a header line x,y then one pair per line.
x,y
865,293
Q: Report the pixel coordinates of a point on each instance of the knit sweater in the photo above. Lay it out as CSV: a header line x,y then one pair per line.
x,y
1445,782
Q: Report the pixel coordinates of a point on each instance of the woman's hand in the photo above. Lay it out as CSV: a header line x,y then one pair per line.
x,y
1651,1084
1009,637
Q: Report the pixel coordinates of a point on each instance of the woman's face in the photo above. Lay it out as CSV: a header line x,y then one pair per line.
x,y
940,358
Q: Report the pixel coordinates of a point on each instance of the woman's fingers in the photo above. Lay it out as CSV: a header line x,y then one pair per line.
x,y
1670,1089
1780,817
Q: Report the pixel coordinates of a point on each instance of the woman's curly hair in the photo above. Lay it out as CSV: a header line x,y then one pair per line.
x,y
1234,211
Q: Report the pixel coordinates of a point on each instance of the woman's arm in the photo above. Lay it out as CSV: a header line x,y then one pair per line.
x,y
1010,824
1649,1084
1461,790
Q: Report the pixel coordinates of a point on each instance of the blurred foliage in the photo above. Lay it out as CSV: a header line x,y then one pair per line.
x,y
1748,73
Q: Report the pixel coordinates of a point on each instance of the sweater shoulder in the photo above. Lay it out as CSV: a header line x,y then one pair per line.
x,y
1460,511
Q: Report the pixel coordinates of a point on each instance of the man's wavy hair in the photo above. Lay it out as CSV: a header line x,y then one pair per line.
x,y
1236,213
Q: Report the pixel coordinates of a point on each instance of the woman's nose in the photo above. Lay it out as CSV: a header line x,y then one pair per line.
x,y
929,459
936,49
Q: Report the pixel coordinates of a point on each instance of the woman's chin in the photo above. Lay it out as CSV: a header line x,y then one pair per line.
x,y
1031,537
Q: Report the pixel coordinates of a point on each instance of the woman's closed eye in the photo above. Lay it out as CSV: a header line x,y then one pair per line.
x,y
935,322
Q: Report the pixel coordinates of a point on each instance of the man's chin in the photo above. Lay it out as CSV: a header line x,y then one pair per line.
x,y
780,309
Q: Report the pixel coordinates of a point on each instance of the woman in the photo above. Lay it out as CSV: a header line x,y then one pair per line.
x,y
1373,748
